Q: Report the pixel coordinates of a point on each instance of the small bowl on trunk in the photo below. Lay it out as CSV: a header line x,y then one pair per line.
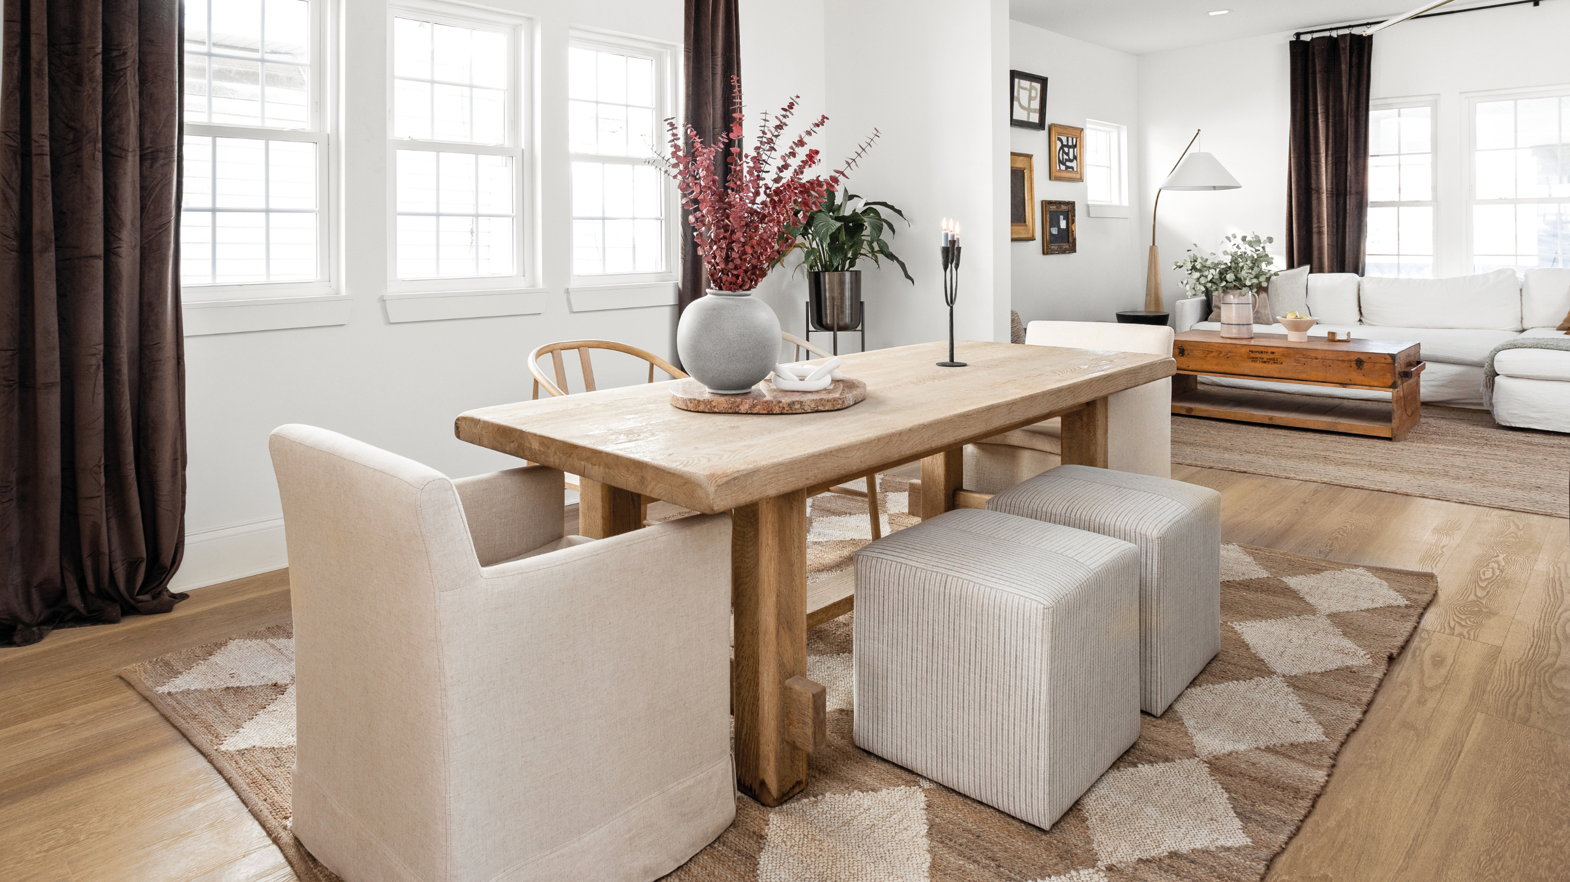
x,y
1297,328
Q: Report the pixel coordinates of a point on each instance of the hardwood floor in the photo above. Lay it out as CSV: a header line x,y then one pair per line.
x,y
1461,770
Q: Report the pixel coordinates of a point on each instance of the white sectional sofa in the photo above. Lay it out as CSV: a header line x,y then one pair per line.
x,y
1458,321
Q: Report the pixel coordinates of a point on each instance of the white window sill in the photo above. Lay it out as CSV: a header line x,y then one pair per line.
x,y
436,306
591,298
207,317
1103,209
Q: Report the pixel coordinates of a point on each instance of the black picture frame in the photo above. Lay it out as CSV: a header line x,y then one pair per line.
x,y
1022,115
1059,229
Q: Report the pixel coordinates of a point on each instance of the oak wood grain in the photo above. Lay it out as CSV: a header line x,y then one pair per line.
x,y
1484,580
1367,363
632,438
1084,435
1531,683
806,714
941,476
605,511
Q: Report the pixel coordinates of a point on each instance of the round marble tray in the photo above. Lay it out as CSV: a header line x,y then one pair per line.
x,y
764,398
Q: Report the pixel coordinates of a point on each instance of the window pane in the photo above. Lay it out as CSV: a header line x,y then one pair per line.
x,y
237,25
1496,174
1538,171
588,247
1417,178
288,31
1096,146
612,129
1537,122
612,71
648,246
286,104
291,175
618,246
416,247
1382,237
1416,234
456,247
618,207
1416,130
452,113
1493,229
588,189
647,198
581,80
1495,125
411,109
416,181
196,25
582,128
495,246
451,54
640,131
490,59
412,49
1533,224
196,248
1415,267
241,173
236,91
241,247
640,82
495,185
1384,178
1384,132
291,246
618,191
198,188
455,183
196,88
489,116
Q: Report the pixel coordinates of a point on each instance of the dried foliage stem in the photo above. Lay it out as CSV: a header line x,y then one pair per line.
x,y
746,226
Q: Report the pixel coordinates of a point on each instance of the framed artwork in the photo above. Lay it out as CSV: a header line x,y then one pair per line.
x,y
1027,100
1058,235
1067,161
1022,197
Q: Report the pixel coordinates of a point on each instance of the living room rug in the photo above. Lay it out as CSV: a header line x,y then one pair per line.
x,y
1454,454
1212,790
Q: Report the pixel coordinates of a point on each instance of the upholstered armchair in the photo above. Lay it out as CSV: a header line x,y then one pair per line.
x,y
1139,421
481,699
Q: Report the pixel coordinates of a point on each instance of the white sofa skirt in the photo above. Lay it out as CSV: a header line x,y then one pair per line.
x,y
1532,404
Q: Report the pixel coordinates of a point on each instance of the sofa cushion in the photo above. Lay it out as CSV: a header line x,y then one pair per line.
x,y
1288,292
1332,298
1488,300
1545,298
1533,364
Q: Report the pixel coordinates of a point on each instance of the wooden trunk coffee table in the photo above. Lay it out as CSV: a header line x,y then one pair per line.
x,y
1355,364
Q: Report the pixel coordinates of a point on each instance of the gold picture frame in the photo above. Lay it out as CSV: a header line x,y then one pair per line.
x,y
1059,230
1066,144
1022,197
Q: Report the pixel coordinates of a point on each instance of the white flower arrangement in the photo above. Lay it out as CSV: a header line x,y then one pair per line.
x,y
1243,264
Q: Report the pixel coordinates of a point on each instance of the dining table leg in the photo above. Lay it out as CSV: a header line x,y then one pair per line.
x,y
605,511
1084,435
941,477
779,713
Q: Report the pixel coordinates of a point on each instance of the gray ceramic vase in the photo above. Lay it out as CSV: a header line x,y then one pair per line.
x,y
728,341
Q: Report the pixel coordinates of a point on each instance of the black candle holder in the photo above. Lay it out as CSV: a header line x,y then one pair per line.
x,y
950,294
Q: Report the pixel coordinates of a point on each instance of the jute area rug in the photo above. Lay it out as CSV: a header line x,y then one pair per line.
x,y
1454,454
1212,790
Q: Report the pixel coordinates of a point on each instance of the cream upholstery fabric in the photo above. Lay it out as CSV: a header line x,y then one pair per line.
x,y
998,656
1139,421
1177,528
558,716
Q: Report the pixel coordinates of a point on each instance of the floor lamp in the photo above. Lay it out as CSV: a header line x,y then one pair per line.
x,y
1193,171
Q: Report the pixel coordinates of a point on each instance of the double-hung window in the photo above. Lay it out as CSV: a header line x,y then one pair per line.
x,y
1521,182
1400,235
1106,164
622,208
256,179
456,146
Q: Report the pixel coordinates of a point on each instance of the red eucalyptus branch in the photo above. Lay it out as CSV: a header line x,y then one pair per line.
x,y
742,228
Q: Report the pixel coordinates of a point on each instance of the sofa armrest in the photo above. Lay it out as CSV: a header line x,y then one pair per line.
x,y
513,512
1187,313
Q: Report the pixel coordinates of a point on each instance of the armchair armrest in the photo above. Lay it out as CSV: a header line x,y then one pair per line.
x,y
512,512
1187,313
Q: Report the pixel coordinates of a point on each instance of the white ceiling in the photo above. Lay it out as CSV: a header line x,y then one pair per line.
x,y
1141,26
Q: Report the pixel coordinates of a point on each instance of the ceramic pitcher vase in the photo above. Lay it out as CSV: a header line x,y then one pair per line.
x,y
1237,314
728,341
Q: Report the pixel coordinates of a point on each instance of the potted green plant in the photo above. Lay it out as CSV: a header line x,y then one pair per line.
x,y
1242,268
833,239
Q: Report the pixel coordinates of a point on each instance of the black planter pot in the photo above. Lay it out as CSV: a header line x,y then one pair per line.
x,y
834,300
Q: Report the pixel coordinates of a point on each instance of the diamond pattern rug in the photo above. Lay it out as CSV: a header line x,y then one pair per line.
x,y
1212,790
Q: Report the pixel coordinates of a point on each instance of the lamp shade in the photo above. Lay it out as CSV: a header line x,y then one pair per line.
x,y
1200,171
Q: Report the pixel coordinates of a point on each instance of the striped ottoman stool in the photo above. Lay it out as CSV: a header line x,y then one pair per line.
x,y
998,656
1177,527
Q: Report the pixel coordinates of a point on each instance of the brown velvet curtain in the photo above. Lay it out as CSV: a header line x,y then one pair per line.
x,y
712,57
92,365
1327,189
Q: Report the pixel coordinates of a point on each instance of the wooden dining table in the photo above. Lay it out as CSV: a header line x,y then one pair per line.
x,y
629,442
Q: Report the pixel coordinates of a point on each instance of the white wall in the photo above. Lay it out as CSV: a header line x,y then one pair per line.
x,y
941,153
1107,271
1238,93
397,386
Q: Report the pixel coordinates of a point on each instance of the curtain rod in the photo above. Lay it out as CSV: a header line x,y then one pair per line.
x,y
1363,24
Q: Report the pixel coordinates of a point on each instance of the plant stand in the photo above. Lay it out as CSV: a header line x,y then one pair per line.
x,y
806,325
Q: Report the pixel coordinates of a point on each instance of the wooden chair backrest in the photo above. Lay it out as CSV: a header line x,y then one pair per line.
x,y
559,388
800,344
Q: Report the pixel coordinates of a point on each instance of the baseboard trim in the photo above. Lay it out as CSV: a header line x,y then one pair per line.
x,y
228,553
